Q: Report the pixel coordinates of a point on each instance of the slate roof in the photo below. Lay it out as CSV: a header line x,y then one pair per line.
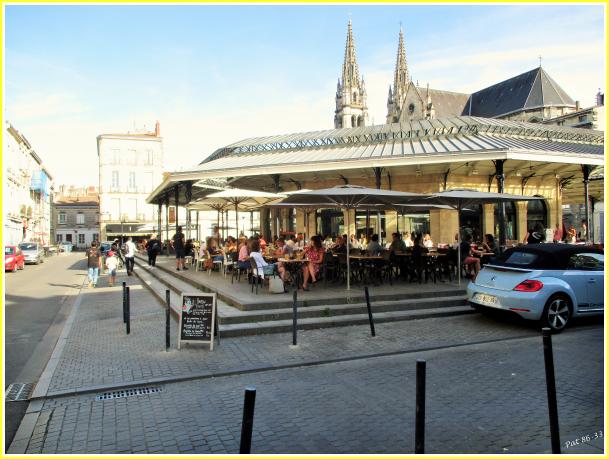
x,y
529,90
446,103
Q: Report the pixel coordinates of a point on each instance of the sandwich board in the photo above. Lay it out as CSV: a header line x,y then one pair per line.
x,y
197,318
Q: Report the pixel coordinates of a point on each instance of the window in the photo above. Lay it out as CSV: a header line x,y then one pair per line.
x,y
81,238
587,261
68,238
62,218
115,209
80,218
116,156
520,259
537,212
149,157
510,220
131,179
411,109
96,237
115,182
60,238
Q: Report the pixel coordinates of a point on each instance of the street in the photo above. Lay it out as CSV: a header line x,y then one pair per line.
x,y
35,308
339,391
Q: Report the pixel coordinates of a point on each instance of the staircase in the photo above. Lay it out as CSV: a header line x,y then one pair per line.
x,y
276,317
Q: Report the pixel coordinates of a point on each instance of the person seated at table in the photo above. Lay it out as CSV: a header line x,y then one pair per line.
x,y
427,242
408,240
374,248
262,241
362,241
489,244
314,254
188,248
340,246
264,268
231,245
468,256
300,242
535,235
214,249
291,242
243,261
328,242
418,246
397,244
354,242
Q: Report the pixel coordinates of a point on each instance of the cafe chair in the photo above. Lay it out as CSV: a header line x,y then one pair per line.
x,y
256,274
329,267
230,261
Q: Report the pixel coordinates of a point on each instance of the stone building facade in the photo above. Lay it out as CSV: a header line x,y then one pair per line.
x,y
77,213
27,191
130,165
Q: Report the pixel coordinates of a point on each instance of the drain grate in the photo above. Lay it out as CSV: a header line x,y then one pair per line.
x,y
18,392
129,392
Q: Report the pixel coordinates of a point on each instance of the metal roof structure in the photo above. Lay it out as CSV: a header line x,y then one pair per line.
x,y
441,143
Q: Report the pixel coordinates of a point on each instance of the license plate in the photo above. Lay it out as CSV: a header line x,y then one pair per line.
x,y
485,299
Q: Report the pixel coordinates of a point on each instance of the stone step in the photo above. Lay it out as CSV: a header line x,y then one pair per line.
x,y
234,322
356,295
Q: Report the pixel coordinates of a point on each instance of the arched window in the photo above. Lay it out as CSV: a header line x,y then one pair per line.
x,y
537,212
511,227
353,121
354,97
360,121
471,221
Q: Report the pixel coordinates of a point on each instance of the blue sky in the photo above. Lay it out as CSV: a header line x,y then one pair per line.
x,y
216,74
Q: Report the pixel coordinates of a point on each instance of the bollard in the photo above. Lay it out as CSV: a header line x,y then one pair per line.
x,y
128,311
247,424
294,318
370,318
167,317
419,426
551,387
124,302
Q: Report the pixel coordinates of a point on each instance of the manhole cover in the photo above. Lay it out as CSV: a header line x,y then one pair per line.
x,y
18,392
129,392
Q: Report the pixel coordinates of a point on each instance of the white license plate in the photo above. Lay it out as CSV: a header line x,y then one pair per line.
x,y
485,299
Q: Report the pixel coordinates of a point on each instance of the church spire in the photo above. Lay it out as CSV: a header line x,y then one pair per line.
x,y
401,80
350,67
351,98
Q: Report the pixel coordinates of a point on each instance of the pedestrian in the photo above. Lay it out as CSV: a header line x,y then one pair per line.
x,y
558,233
129,256
178,243
153,247
94,263
111,266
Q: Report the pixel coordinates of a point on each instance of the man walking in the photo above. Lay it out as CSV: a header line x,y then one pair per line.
x,y
153,247
129,256
178,243
94,264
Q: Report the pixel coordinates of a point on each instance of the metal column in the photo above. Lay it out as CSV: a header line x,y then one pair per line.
x,y
500,182
586,171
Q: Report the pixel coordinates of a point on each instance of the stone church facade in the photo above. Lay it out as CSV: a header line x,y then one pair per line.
x,y
532,96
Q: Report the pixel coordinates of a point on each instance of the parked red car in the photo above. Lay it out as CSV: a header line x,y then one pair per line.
x,y
13,258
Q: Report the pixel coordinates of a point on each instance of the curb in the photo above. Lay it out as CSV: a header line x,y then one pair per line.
x,y
26,428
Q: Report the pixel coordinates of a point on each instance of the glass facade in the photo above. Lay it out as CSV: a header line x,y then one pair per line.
x,y
511,227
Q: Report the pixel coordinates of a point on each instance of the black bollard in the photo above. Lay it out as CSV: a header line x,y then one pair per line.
x,y
124,302
419,426
167,312
551,387
247,424
370,318
128,311
294,318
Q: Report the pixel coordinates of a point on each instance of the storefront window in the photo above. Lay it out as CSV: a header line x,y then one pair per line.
x,y
373,225
414,223
330,222
537,212
510,220
471,221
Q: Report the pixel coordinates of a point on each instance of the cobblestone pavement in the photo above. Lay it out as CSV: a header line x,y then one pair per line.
x,y
482,398
486,398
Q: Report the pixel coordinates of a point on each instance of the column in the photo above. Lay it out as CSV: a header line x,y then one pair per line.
x,y
167,221
488,219
159,216
443,224
177,198
586,171
500,183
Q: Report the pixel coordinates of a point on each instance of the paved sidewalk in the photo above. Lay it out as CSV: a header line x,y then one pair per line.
x,y
487,397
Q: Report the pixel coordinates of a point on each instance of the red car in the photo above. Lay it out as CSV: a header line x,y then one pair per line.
x,y
13,258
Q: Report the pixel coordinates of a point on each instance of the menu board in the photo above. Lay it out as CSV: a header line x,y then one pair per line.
x,y
197,318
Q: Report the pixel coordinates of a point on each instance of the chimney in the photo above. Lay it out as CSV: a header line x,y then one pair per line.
x,y
157,129
600,98
577,107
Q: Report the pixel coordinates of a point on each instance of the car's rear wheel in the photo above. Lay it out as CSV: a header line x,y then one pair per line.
x,y
557,313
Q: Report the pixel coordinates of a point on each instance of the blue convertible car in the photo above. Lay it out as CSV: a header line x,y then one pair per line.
x,y
547,282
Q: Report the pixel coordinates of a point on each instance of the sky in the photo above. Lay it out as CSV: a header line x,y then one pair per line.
x,y
215,74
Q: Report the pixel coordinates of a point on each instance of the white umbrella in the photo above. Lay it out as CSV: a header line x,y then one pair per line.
x,y
247,198
350,197
460,198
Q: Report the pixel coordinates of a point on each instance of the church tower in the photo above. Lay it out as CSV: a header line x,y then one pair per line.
x,y
351,99
401,79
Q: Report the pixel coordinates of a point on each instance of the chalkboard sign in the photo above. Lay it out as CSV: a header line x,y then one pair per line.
x,y
197,318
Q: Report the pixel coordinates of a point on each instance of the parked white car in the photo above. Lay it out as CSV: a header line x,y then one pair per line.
x,y
33,252
551,283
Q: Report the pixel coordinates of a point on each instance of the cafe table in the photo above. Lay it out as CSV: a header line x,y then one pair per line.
x,y
294,267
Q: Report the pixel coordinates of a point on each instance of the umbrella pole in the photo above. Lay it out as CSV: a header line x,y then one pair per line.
x,y
218,221
348,261
251,223
459,243
237,218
